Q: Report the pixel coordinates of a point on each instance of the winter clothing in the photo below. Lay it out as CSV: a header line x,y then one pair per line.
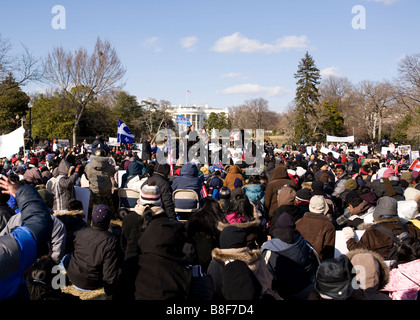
x,y
233,172
387,187
319,231
372,273
19,249
94,262
189,179
63,186
33,174
278,179
162,264
133,175
160,177
404,281
291,260
73,221
99,173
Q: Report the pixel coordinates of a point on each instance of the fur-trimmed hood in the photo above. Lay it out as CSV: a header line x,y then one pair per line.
x,y
220,225
69,213
247,255
377,281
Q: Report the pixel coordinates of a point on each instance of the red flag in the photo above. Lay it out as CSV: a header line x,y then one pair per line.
x,y
415,166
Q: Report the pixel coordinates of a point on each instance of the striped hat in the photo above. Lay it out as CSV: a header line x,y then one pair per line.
x,y
150,194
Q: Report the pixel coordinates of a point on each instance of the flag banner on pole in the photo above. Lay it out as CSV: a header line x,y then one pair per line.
x,y
11,143
415,166
124,134
203,192
169,147
183,121
217,163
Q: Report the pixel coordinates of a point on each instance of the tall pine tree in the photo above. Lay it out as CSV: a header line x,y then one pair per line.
x,y
307,96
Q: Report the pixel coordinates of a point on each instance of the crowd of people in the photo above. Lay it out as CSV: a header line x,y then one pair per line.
x,y
266,236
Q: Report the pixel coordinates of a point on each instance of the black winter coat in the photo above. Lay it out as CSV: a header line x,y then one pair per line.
x,y
94,262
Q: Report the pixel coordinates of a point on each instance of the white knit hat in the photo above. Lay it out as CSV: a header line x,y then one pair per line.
x,y
317,204
150,194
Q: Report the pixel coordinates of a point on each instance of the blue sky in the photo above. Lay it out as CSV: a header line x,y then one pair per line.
x,y
224,52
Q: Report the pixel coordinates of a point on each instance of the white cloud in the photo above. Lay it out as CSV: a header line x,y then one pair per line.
x,y
152,43
233,75
189,43
239,43
331,71
387,2
251,89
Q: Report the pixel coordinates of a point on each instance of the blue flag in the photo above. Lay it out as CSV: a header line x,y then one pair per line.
x,y
183,121
124,134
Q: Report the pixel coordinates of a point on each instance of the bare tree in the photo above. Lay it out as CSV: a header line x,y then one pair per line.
x,y
82,76
24,67
375,99
408,82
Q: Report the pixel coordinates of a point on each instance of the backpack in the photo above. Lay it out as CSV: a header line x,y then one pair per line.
x,y
397,239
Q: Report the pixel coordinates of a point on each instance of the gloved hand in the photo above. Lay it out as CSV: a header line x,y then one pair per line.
x,y
348,233
80,169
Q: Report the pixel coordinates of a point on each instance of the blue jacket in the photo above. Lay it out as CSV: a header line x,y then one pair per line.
x,y
255,192
188,179
135,168
19,249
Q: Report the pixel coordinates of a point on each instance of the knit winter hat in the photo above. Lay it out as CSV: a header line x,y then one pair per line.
x,y
386,206
317,204
285,228
304,194
150,194
389,173
412,194
101,215
232,237
350,184
334,278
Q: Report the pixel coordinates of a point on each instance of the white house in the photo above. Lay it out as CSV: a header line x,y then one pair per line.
x,y
195,114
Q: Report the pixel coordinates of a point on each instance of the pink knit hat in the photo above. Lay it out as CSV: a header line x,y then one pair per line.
x,y
389,173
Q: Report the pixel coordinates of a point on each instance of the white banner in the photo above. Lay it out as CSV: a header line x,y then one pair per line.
x,y
11,142
340,139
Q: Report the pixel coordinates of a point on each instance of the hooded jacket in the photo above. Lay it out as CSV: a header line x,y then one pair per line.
x,y
252,257
188,179
99,173
293,266
19,249
135,171
63,186
233,172
279,178
403,281
374,271
163,272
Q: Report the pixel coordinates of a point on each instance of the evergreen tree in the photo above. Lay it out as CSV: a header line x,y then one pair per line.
x,y
307,97
334,121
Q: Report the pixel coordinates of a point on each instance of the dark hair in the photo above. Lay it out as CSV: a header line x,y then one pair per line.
x,y
355,202
408,251
340,166
239,203
39,279
75,205
204,221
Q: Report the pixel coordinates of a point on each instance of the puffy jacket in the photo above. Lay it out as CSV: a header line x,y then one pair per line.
x,y
94,262
19,249
255,192
188,179
99,173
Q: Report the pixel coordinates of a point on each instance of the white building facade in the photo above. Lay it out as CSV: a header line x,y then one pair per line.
x,y
195,114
